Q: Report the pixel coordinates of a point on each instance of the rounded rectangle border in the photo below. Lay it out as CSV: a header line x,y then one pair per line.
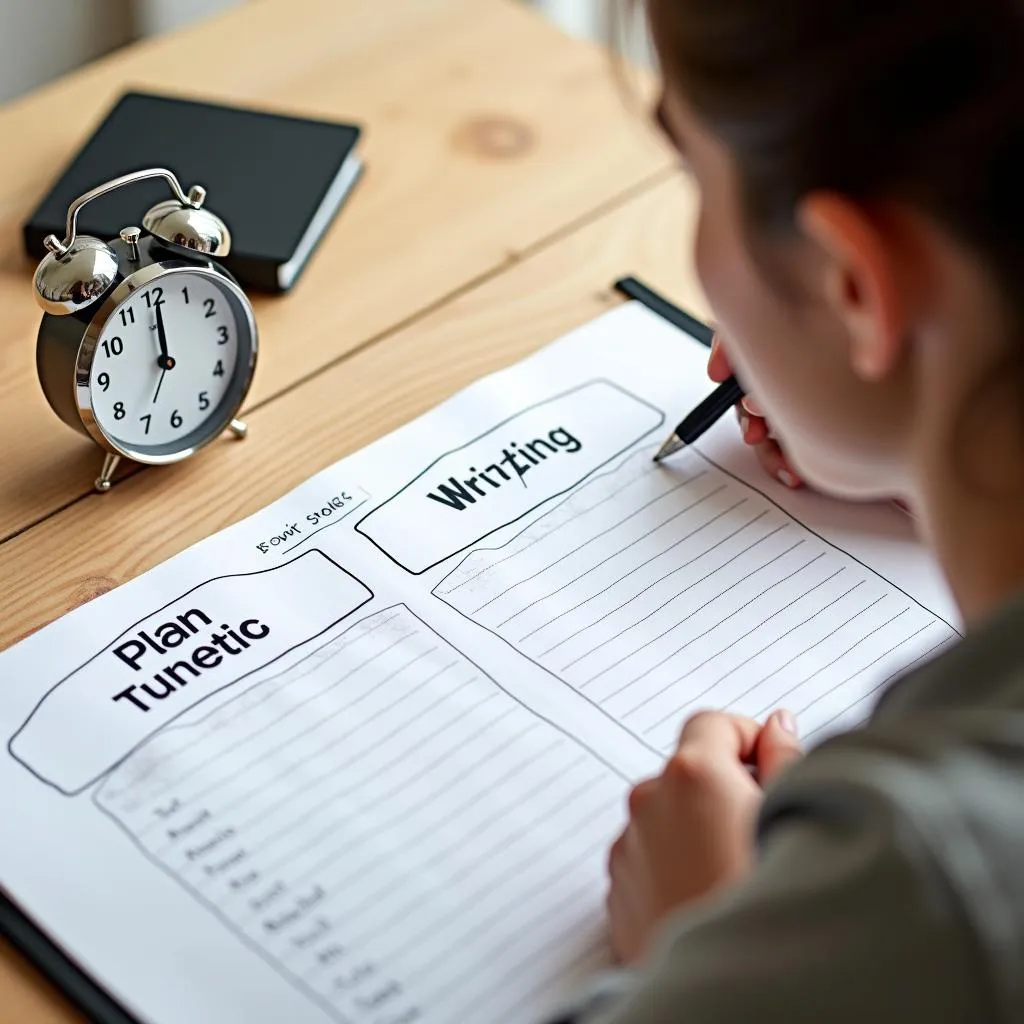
x,y
473,536
365,596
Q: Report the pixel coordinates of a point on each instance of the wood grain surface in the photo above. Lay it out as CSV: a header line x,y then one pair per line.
x,y
487,132
26,997
510,181
106,539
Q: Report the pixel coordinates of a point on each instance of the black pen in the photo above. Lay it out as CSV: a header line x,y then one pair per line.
x,y
726,395
703,418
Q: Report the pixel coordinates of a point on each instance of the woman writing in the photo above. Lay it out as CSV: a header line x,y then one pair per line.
x,y
860,242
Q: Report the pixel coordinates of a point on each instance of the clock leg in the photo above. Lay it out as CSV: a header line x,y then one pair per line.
x,y
105,478
239,428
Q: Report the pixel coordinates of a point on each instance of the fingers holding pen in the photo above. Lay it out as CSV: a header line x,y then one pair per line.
x,y
719,367
755,429
770,454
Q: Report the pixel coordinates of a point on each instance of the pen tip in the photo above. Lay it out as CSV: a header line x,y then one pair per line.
x,y
670,447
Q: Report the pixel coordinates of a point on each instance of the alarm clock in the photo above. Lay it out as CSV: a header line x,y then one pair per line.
x,y
147,345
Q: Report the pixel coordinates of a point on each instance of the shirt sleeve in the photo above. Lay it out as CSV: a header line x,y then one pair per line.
x,y
849,916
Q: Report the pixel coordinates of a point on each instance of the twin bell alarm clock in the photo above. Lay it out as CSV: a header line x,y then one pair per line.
x,y
147,345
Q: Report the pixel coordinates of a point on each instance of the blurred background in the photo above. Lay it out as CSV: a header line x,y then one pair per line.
x,y
41,39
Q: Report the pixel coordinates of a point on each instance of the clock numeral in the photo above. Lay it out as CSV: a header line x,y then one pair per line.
x,y
176,420
154,297
103,380
119,410
184,291
210,311
147,418
204,401
127,316
222,335
218,370
112,348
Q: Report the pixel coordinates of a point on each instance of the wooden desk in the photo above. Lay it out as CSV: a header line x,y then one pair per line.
x,y
510,180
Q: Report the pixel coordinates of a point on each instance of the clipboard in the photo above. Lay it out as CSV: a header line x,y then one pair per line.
x,y
83,992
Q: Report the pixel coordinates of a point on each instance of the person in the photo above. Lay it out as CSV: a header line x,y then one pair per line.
x,y
859,240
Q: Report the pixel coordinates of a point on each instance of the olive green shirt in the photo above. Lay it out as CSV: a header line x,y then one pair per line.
x,y
890,877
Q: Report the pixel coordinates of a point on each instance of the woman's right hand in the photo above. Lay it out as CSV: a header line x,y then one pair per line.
x,y
755,429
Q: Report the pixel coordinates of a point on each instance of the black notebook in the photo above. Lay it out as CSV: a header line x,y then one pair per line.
x,y
277,181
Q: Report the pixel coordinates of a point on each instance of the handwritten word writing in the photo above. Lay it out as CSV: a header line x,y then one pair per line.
x,y
520,459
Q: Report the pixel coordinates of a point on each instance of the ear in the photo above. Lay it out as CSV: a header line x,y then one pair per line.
x,y
860,283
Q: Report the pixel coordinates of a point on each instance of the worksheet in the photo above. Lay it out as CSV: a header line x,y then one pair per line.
x,y
359,757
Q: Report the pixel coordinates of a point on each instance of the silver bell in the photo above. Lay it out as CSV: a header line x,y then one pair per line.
x,y
189,227
69,279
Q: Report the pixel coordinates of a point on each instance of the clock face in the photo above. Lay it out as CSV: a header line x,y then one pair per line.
x,y
165,362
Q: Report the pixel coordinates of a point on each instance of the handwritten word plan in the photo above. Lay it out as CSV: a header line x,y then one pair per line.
x,y
359,758
292,808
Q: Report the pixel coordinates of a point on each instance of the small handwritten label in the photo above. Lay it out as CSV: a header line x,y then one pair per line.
x,y
328,508
233,860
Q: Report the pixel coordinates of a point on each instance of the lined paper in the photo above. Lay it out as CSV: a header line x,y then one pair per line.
x,y
323,768
656,592
389,828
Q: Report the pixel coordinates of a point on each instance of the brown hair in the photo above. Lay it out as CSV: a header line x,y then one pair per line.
x,y
917,99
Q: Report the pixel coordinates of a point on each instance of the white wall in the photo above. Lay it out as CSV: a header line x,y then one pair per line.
x,y
155,16
591,19
41,39
580,17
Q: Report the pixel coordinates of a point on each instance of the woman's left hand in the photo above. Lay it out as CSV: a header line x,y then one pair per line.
x,y
691,828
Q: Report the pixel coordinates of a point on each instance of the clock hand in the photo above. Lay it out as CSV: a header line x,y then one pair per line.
x,y
164,360
163,373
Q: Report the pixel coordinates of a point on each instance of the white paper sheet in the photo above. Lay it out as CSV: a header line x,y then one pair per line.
x,y
359,757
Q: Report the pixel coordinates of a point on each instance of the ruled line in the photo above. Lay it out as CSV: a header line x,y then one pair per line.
x,y
340,888
243,705
527,927
319,724
615,554
576,549
536,951
591,952
334,769
556,972
544,536
483,926
483,861
734,701
315,842
771,643
718,623
874,661
686,618
417,791
839,657
822,726
220,754
735,641
642,565
643,650
797,654
621,579
513,895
